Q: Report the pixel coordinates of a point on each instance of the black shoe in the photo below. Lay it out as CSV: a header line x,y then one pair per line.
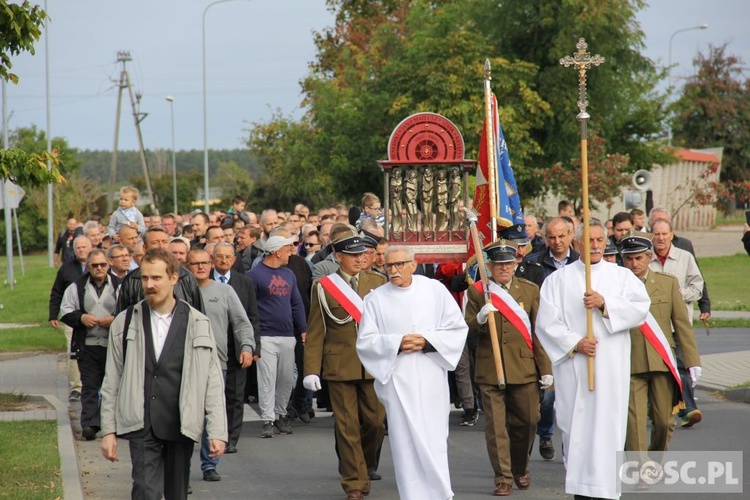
x,y
374,476
470,418
300,413
74,396
267,431
211,475
547,449
230,449
190,489
251,400
89,433
282,425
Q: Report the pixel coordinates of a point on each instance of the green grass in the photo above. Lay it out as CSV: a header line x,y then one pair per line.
x,y
28,303
743,385
727,282
29,460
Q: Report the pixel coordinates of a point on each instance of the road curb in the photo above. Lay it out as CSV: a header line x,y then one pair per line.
x,y
69,471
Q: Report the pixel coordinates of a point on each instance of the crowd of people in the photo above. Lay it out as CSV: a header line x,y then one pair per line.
x,y
175,322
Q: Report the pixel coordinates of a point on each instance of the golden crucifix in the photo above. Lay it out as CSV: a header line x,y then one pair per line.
x,y
583,61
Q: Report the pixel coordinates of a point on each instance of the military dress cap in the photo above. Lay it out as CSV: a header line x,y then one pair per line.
x,y
369,240
635,243
516,234
611,248
501,251
349,242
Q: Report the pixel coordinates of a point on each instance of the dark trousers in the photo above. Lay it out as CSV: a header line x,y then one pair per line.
x,y
510,421
160,468
688,392
234,392
298,399
91,365
251,381
358,419
546,426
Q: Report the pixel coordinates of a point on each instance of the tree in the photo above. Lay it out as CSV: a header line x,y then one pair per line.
x,y
382,61
714,110
20,26
607,175
20,29
386,59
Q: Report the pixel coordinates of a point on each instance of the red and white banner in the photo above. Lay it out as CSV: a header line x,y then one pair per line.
x,y
512,310
655,336
344,295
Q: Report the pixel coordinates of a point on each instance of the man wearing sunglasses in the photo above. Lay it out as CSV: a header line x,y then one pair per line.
x,y
412,332
88,307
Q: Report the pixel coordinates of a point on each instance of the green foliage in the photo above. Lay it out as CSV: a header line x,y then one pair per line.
x,y
31,471
714,110
384,60
20,27
607,175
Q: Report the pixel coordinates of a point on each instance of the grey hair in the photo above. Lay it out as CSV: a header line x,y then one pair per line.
x,y
222,244
114,248
409,251
655,210
81,237
592,223
92,224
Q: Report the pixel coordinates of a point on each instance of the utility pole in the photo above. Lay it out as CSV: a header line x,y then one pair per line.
x,y
123,57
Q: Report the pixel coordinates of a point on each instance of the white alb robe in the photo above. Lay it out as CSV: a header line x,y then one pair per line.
x,y
593,423
414,387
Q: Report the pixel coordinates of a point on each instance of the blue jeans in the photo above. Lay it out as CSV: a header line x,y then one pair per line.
x,y
546,426
208,463
688,393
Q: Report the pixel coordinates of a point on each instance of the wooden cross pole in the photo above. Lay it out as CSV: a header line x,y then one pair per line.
x,y
583,61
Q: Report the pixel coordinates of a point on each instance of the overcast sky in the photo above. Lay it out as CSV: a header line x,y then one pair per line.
x,y
257,51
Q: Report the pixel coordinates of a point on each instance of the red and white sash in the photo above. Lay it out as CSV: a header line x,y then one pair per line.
x,y
509,308
344,295
655,336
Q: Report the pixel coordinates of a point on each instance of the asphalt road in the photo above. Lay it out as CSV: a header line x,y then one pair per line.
x,y
303,465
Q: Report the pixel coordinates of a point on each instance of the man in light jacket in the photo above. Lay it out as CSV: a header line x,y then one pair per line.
x,y
163,381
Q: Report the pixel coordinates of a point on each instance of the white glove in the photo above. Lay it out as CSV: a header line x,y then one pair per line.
x,y
484,313
311,383
695,374
546,381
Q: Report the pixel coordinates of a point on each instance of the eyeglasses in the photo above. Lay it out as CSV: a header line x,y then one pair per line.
x,y
121,256
396,265
200,263
98,265
311,244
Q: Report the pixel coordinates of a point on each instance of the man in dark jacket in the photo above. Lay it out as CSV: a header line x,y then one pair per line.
x,y
537,266
67,274
87,307
223,259
131,289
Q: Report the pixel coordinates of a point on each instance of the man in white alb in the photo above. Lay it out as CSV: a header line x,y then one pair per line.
x,y
593,423
412,332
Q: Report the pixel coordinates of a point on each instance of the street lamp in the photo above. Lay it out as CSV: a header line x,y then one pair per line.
x,y
170,100
205,114
669,67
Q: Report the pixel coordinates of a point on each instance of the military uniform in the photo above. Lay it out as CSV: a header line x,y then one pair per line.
x,y
512,412
652,386
330,350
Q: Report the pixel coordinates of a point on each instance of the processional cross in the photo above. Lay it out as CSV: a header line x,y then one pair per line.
x,y
583,61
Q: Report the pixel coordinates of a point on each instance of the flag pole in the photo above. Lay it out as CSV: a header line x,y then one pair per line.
x,y
582,61
471,217
491,160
